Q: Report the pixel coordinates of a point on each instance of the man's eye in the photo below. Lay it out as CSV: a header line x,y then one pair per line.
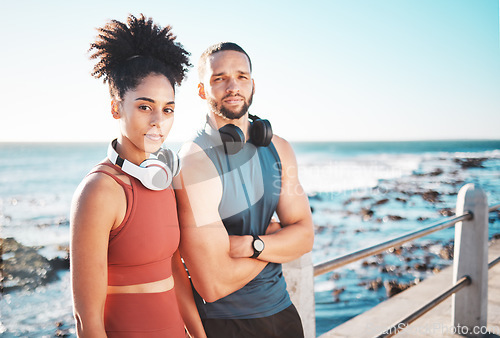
x,y
168,110
144,107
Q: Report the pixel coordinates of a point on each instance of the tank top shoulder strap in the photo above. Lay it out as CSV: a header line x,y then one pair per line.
x,y
113,176
274,152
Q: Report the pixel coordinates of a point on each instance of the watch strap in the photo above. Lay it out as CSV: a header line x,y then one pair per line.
x,y
256,252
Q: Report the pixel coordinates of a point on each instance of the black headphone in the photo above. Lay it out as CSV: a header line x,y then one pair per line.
x,y
155,173
233,138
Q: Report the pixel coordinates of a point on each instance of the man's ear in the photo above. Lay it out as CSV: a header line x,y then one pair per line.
x,y
115,111
253,87
201,91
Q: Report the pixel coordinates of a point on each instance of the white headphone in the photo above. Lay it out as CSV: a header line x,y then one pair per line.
x,y
155,173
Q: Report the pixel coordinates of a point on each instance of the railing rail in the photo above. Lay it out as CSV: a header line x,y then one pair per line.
x,y
330,265
402,324
494,208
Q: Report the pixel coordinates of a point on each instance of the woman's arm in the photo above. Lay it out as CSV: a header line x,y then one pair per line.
x,y
96,208
185,298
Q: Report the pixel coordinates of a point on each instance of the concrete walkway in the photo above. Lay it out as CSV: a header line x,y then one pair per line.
x,y
435,323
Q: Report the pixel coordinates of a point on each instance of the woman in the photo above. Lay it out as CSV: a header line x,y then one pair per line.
x,y
124,229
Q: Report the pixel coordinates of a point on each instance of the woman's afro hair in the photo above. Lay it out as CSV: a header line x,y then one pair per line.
x,y
127,53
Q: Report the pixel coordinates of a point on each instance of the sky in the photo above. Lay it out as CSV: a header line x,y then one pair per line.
x,y
324,70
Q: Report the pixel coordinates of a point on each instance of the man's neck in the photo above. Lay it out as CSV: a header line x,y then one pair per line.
x,y
243,123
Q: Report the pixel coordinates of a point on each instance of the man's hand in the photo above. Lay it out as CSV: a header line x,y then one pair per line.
x,y
273,227
241,246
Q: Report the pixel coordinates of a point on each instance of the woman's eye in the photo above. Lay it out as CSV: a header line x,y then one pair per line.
x,y
168,110
144,107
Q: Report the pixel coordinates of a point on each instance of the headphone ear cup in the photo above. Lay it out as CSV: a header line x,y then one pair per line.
x,y
261,133
171,159
233,138
156,175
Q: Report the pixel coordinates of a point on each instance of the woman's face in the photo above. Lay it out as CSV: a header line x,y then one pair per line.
x,y
146,114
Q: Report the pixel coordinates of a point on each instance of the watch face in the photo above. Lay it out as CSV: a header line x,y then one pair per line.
x,y
258,245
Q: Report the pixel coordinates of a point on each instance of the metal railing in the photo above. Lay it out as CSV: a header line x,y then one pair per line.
x,y
332,264
338,262
466,202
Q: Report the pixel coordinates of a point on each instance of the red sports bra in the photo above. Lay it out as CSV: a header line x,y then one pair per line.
x,y
141,247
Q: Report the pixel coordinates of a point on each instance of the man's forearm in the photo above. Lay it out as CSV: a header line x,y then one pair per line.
x,y
214,273
282,246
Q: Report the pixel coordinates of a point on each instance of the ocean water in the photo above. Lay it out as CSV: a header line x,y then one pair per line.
x,y
344,180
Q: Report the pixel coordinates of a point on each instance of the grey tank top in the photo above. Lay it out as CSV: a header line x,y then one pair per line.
x,y
251,185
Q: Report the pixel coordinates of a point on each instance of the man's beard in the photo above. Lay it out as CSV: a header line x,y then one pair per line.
x,y
229,114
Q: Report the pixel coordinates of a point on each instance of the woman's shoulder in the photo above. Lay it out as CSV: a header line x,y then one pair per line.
x,y
107,169
98,199
100,183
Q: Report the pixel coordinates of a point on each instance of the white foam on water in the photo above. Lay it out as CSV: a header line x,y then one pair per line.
x,y
355,173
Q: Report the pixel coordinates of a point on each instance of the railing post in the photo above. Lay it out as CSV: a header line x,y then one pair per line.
x,y
469,305
300,285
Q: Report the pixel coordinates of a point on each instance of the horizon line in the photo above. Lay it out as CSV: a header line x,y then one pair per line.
x,y
289,140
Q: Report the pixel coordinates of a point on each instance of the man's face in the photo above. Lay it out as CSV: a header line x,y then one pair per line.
x,y
228,85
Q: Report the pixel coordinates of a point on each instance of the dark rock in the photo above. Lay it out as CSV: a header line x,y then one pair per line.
x,y
336,294
431,196
447,252
394,287
59,263
26,268
396,251
467,163
402,200
436,172
422,267
447,212
366,214
366,264
393,218
338,291
422,219
375,284
382,201
61,331
335,276
388,269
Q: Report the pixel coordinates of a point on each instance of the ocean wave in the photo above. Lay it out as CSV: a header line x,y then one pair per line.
x,y
349,174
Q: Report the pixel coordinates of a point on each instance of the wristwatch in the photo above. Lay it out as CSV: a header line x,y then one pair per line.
x,y
258,246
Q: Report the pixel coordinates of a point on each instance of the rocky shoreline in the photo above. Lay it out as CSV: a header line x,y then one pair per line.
x,y
23,267
431,188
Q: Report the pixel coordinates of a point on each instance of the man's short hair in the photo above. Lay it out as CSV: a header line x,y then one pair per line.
x,y
218,47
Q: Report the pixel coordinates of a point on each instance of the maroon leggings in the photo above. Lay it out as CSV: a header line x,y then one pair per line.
x,y
137,315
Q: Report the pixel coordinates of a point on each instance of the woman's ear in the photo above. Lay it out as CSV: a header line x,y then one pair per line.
x,y
201,91
115,109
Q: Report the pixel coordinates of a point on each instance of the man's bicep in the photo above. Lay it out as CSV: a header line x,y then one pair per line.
x,y
293,204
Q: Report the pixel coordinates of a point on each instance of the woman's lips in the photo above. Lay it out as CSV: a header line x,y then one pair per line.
x,y
153,137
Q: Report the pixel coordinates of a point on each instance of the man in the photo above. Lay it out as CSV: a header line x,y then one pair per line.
x,y
226,201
